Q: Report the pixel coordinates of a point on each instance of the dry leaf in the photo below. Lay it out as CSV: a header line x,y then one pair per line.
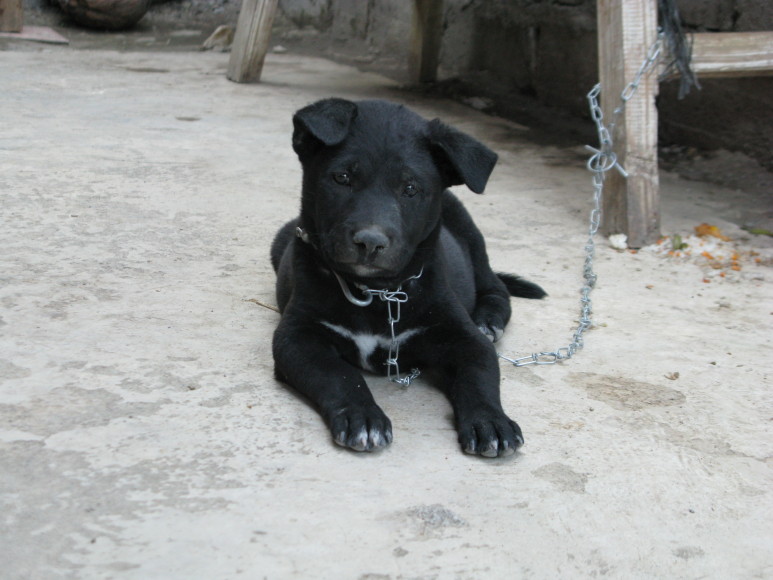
x,y
704,230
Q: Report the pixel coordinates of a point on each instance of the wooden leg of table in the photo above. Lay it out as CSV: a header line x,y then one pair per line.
x,y
426,37
11,15
626,30
251,40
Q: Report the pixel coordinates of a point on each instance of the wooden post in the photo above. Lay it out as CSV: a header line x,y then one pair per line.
x,y
253,33
11,15
426,37
626,30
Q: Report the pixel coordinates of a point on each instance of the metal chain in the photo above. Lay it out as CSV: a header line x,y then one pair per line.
x,y
602,160
395,298
392,298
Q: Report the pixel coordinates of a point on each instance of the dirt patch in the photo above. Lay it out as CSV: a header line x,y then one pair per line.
x,y
626,394
563,477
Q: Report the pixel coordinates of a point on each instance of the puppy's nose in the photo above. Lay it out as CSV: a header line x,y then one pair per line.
x,y
372,239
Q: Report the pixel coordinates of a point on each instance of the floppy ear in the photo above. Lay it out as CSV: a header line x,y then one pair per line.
x,y
461,159
325,122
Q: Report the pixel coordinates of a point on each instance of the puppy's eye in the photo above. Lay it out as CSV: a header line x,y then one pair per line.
x,y
342,178
410,190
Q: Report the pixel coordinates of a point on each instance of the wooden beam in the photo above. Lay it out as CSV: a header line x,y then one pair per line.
x,y
251,40
723,54
36,34
426,38
11,16
631,206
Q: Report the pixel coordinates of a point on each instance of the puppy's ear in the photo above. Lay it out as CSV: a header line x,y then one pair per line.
x,y
325,122
460,158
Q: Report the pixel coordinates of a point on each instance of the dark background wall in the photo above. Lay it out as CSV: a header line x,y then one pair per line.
x,y
514,51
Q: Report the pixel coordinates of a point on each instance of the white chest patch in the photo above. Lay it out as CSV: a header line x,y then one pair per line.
x,y
367,343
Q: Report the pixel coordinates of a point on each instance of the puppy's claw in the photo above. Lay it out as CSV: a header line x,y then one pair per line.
x,y
490,450
360,441
506,449
379,439
493,333
340,439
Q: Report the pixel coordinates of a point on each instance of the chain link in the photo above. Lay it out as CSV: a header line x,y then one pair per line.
x,y
394,298
602,160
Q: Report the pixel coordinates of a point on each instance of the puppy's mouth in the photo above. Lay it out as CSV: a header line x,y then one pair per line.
x,y
362,262
363,270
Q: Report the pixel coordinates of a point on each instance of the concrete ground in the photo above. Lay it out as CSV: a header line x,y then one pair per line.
x,y
142,434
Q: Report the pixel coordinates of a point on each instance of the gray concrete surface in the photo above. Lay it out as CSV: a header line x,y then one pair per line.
x,y
142,434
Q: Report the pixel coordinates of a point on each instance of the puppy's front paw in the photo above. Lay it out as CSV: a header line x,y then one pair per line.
x,y
362,428
490,434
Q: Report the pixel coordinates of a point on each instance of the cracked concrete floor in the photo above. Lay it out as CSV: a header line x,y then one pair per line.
x,y
142,434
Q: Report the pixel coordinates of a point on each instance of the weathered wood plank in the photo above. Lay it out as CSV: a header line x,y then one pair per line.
x,y
426,38
11,16
36,34
723,54
251,40
631,206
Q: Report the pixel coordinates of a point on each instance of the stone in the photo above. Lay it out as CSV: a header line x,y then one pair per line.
x,y
105,14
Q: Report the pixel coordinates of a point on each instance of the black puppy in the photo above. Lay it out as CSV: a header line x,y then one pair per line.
x,y
385,267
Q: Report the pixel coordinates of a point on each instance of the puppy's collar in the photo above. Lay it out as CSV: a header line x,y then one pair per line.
x,y
303,235
385,294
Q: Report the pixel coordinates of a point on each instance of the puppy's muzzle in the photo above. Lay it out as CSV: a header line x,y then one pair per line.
x,y
369,242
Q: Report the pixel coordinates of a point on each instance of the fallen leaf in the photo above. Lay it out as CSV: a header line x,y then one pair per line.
x,y
704,230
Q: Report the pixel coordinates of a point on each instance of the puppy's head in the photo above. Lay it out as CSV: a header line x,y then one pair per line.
x,y
373,177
